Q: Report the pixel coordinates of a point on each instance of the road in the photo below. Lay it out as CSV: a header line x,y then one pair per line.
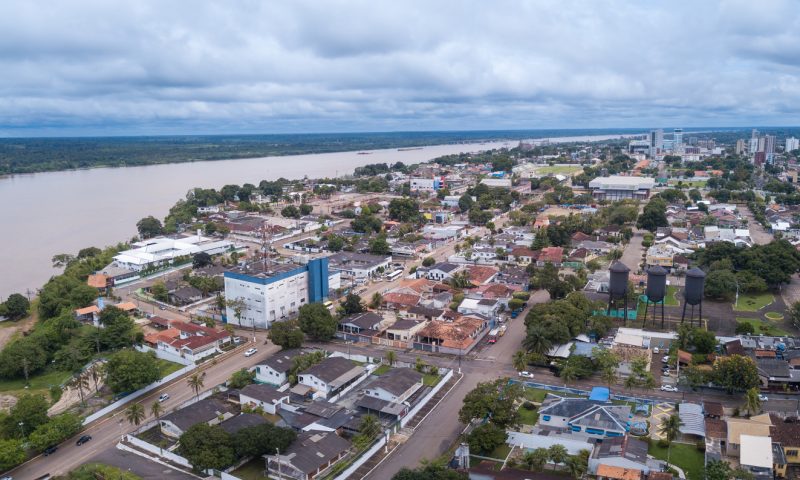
x,y
107,431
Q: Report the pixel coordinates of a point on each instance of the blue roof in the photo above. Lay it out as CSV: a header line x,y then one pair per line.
x,y
599,394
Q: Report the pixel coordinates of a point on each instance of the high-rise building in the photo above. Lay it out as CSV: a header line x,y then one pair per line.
x,y
792,144
754,134
656,141
677,139
769,148
752,147
739,147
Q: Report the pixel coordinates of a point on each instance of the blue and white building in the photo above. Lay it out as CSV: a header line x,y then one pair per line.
x,y
277,293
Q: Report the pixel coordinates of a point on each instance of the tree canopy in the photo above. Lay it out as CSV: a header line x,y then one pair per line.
x,y
207,446
317,322
129,370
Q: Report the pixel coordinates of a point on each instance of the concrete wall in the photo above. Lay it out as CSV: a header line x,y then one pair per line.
x,y
165,355
447,376
173,457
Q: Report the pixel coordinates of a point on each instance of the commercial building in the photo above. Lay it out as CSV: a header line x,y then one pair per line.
x,y
792,144
617,187
425,184
275,293
161,251
656,141
359,266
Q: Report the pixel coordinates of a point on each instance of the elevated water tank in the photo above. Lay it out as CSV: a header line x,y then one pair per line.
x,y
656,284
695,286
618,282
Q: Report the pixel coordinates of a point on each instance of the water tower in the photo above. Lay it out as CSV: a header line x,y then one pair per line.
x,y
693,293
655,292
618,287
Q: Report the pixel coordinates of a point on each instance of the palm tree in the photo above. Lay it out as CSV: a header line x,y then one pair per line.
x,y
520,360
134,414
578,464
609,375
377,299
536,341
535,459
156,409
97,371
751,401
80,382
391,357
196,383
557,454
671,427
569,374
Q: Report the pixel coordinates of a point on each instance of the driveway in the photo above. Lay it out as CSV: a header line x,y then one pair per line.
x,y
632,254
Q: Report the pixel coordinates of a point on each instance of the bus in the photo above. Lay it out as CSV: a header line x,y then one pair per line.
x,y
493,334
391,277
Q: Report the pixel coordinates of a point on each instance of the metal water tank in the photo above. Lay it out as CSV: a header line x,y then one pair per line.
x,y
618,282
695,286
656,284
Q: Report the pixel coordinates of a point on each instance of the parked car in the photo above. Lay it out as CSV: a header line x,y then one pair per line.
x,y
83,440
50,450
7,477
655,350
665,359
163,397
526,374
762,397
250,352
668,388
665,373
237,340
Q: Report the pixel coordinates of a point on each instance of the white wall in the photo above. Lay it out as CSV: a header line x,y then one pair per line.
x,y
265,304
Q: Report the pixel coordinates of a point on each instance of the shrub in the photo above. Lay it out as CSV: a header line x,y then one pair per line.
x,y
529,406
663,443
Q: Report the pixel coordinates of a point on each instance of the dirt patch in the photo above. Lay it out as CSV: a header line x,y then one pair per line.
x,y
6,402
7,332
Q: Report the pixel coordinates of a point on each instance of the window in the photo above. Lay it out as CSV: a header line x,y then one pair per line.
x,y
791,453
546,418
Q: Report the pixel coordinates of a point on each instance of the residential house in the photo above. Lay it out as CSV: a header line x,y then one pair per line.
x,y
399,301
424,313
481,274
265,396
397,385
309,457
208,410
330,376
579,237
439,272
758,425
553,255
756,456
524,255
360,327
624,452
276,368
458,336
487,307
583,415
239,422
404,330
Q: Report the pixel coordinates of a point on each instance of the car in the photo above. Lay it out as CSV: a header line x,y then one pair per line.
x,y
668,388
526,374
250,352
7,477
50,450
655,350
237,340
762,397
665,359
162,307
83,439
665,373
163,397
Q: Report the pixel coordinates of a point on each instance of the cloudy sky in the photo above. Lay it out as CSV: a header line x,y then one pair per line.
x,y
139,67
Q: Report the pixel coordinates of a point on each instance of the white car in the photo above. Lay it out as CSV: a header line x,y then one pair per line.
x,y
655,350
668,388
164,397
665,359
665,373
526,374
762,397
250,352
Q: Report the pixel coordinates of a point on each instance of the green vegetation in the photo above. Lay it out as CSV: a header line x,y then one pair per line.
x,y
165,367
750,302
683,455
528,416
762,328
381,370
93,471
38,384
774,316
252,470
430,380
534,394
558,169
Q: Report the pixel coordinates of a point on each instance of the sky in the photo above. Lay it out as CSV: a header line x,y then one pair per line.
x,y
140,67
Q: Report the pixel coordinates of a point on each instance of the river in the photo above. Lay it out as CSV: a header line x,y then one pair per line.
x,y
61,212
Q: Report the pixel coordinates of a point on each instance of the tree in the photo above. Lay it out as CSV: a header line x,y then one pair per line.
x,y
493,400
720,284
201,259
428,261
22,357
671,428
578,464
404,210
465,203
129,370
379,246
794,314
752,401
207,447
536,459
520,360
352,304
703,341
196,383
391,357
653,215
30,411
486,438
306,209
156,409
536,341
16,306
149,227
260,439
735,372
58,429
159,291
241,378
80,382
12,453
286,334
134,414
718,470
290,211
607,362
335,243
377,301
317,322
557,454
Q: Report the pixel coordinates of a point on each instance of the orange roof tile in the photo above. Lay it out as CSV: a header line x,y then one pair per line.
x,y
87,310
127,306
97,281
618,473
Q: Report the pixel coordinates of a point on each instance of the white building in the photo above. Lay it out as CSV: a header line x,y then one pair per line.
x,y
618,187
792,144
276,294
359,266
425,184
276,368
264,396
497,182
397,385
482,306
159,251
331,376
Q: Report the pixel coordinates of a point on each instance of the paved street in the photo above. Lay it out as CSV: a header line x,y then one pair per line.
x,y
632,254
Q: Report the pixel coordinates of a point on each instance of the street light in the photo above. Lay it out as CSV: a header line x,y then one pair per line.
x,y
21,428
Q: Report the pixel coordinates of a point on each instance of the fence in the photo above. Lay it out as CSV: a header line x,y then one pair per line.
x,y
364,458
426,399
138,393
165,355
578,391
172,457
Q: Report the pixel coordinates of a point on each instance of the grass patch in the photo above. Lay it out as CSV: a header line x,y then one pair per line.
x,y
685,456
753,302
38,383
534,394
774,316
688,183
430,380
528,417
764,328
556,169
381,370
165,367
500,452
252,470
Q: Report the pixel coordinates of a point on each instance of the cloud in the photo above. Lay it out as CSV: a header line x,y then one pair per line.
x,y
89,67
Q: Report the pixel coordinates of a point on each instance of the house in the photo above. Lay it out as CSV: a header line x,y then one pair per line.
x,y
456,337
787,435
439,272
309,457
692,420
396,385
532,441
552,255
487,307
423,313
275,369
399,301
756,455
404,330
625,452
759,425
360,322
242,421
481,274
661,255
209,410
577,238
330,376
265,396
358,266
608,472
524,255
100,282
185,295
584,415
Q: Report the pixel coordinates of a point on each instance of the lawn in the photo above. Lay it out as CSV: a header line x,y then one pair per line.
x,y
252,470
688,183
500,452
753,302
165,367
534,394
685,456
38,383
381,370
763,328
774,316
558,169
430,380
528,417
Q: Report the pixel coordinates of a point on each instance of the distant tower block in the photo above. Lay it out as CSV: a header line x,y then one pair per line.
x,y
656,291
693,293
618,287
